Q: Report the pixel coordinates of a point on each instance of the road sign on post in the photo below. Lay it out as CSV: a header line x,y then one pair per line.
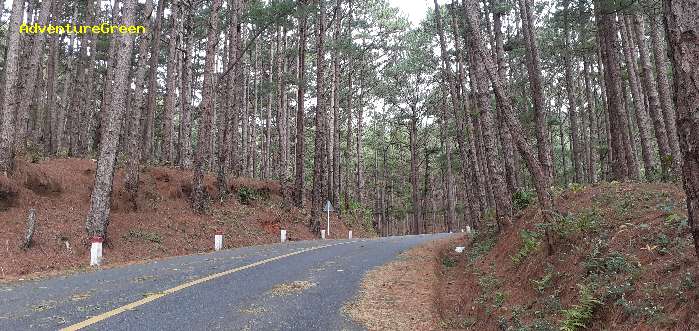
x,y
328,208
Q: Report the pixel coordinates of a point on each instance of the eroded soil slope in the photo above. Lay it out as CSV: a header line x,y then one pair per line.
x,y
163,224
623,259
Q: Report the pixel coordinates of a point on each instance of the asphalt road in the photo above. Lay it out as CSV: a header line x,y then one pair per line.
x,y
294,286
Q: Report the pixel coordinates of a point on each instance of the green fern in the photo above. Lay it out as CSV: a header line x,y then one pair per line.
x,y
579,315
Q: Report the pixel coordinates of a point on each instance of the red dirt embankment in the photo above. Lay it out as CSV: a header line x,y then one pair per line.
x,y
623,259
163,225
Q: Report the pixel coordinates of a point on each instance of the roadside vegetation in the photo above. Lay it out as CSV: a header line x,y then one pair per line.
x,y
614,266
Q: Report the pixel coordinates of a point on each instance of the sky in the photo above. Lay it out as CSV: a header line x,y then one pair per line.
x,y
415,10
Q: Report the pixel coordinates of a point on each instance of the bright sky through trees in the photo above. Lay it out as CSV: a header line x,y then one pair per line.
x,y
414,9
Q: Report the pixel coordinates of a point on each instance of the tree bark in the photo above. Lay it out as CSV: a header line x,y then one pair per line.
x,y
535,79
642,119
593,146
136,109
607,36
541,182
451,205
576,148
282,120
335,197
348,109
414,192
320,122
199,194
237,86
496,176
682,28
185,132
12,67
100,201
504,135
469,169
149,115
651,90
171,86
300,112
108,81
29,84
666,97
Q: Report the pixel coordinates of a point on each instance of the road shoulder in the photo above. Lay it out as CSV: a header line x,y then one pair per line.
x,y
401,295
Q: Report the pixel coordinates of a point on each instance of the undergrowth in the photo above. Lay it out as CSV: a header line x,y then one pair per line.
x,y
530,243
578,316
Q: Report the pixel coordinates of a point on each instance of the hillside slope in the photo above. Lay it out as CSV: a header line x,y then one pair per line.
x,y
623,260
164,224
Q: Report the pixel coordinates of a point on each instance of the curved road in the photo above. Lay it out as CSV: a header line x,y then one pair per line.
x,y
294,286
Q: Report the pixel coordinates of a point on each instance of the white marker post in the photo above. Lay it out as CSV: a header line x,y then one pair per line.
x,y
322,234
468,229
96,251
218,240
328,208
283,235
349,235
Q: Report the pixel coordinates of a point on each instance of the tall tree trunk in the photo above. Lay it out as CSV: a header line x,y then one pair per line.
x,y
427,186
561,138
78,100
267,143
496,176
576,148
504,135
593,146
28,88
136,110
223,117
682,27
12,67
348,109
255,107
651,90
642,119
65,113
300,112
108,81
359,137
199,194
627,131
666,97
469,168
535,81
171,86
607,37
320,122
541,182
185,133
51,81
147,129
335,197
451,205
100,201
282,119
88,105
414,192
237,85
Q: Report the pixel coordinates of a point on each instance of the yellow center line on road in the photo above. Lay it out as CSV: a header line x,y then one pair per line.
x,y
158,295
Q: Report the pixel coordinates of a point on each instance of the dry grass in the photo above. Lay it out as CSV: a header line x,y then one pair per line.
x,y
400,295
